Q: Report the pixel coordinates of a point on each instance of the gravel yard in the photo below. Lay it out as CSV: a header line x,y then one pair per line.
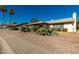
x,y
28,42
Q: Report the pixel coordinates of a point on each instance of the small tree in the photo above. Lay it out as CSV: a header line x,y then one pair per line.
x,y
14,23
34,20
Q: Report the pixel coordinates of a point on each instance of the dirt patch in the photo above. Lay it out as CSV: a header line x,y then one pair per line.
x,y
63,42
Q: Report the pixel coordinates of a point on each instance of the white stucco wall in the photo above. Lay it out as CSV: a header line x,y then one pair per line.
x,y
69,27
74,17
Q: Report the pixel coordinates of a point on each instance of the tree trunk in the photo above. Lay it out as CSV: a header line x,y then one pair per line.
x,y
4,18
10,19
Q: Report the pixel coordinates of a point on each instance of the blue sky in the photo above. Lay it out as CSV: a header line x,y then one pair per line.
x,y
24,13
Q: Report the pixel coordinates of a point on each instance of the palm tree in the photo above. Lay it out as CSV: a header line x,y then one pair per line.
x,y
3,10
11,12
1,7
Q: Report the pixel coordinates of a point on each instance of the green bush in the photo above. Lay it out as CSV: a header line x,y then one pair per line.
x,y
35,28
27,29
14,28
42,30
56,29
1,27
23,29
45,30
59,29
64,29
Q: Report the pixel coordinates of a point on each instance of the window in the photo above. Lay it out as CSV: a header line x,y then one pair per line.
x,y
59,26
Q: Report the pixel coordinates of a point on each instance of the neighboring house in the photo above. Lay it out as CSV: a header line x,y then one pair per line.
x,y
2,26
69,23
11,25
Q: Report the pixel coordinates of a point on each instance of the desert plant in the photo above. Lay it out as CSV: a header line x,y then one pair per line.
x,y
56,29
27,29
35,28
64,29
23,29
44,30
14,28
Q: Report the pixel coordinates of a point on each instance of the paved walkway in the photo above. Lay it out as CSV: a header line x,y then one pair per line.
x,y
32,43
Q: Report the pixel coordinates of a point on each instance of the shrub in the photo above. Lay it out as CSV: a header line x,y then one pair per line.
x,y
1,27
77,27
45,30
56,29
27,29
14,28
35,28
59,29
23,29
64,29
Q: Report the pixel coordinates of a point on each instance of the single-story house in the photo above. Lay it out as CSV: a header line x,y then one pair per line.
x,y
69,23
